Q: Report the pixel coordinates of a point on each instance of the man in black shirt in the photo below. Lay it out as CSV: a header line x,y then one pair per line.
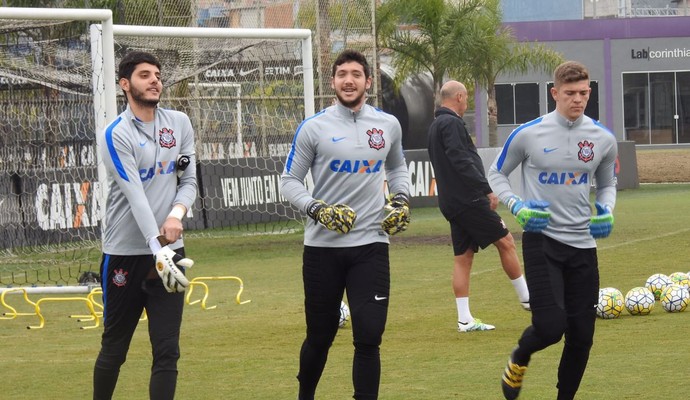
x,y
468,203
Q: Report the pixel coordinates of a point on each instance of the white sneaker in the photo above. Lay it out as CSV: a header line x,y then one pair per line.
x,y
476,325
525,305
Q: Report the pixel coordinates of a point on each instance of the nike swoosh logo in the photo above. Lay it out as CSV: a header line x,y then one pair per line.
x,y
379,298
247,72
337,139
142,144
548,150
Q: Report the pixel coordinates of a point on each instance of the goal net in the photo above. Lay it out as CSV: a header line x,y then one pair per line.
x,y
244,90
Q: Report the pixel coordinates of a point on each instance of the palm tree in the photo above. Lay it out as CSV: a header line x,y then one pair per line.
x,y
419,34
463,38
491,50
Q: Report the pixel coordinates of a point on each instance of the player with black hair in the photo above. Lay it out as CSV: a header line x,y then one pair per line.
x,y
348,147
150,191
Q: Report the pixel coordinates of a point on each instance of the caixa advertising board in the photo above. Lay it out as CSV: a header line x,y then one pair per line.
x,y
63,202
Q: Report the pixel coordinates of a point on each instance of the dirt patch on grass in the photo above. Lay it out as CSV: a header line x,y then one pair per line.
x,y
663,165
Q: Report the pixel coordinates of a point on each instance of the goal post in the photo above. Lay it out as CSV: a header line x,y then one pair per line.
x,y
49,209
245,90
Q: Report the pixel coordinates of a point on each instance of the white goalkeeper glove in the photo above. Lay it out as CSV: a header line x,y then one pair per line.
x,y
167,262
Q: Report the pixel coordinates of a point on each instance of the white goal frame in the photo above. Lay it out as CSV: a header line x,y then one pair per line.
x,y
304,35
103,33
105,17
104,71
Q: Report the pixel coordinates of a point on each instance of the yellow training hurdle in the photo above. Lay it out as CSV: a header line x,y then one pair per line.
x,y
37,307
94,306
88,302
99,306
198,281
13,312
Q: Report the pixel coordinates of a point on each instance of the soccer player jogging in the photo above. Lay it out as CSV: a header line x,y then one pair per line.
x,y
468,203
145,152
348,147
562,154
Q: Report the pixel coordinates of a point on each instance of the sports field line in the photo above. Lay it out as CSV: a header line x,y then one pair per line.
x,y
600,248
655,237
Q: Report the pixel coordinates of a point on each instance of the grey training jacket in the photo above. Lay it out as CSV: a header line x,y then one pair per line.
x,y
347,153
142,178
561,160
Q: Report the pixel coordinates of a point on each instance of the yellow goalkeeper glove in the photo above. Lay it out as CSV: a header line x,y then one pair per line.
x,y
398,218
336,217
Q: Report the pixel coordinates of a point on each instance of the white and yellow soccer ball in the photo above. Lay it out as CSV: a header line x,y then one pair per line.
x,y
610,304
675,298
657,283
680,278
639,301
344,314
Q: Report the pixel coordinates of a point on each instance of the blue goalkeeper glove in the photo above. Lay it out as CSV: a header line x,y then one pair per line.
x,y
531,215
601,225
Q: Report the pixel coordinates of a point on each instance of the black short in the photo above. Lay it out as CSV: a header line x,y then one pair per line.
x,y
474,228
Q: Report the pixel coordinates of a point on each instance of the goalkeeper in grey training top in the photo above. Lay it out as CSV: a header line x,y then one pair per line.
x,y
146,151
347,147
562,154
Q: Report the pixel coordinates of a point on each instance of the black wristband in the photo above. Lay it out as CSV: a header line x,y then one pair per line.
x,y
183,162
401,198
313,209
162,240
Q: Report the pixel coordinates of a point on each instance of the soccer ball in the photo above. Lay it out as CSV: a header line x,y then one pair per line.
x,y
680,279
639,301
610,304
344,314
657,283
675,298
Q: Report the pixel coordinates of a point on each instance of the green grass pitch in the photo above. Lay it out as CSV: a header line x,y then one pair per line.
x,y
250,351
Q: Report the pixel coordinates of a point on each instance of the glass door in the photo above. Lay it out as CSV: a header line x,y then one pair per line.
x,y
635,109
662,107
683,106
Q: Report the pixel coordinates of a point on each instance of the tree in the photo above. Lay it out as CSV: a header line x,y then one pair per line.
x,y
463,38
420,35
491,50
325,17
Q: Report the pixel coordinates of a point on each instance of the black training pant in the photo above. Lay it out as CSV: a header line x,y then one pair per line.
x,y
563,283
364,273
131,285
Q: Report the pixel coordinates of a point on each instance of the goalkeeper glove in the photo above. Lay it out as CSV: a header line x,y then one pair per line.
x,y
167,263
601,225
337,217
531,214
398,218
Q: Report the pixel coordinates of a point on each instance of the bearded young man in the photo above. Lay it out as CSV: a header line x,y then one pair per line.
x,y
145,152
348,147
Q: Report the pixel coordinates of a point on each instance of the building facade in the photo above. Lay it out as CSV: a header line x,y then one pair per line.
x,y
640,72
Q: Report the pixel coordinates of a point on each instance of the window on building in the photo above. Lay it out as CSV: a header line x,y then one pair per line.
x,y
592,109
656,107
517,103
